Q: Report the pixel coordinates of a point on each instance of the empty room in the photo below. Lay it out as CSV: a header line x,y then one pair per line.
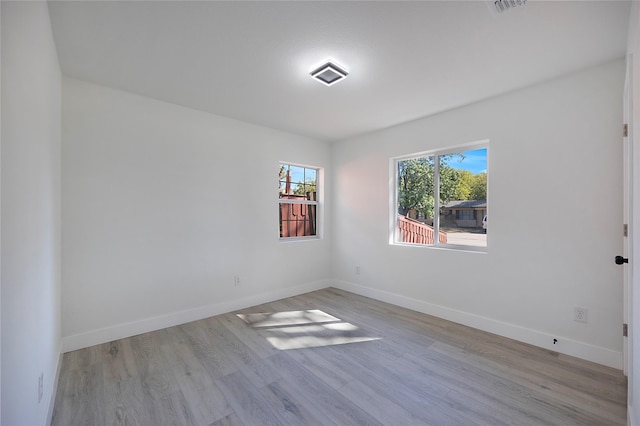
x,y
319,212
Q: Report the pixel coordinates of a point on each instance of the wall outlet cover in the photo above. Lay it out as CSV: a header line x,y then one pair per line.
x,y
581,314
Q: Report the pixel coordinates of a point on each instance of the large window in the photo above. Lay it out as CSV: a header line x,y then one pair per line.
x,y
441,198
298,201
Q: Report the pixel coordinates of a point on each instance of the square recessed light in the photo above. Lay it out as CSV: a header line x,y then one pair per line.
x,y
329,73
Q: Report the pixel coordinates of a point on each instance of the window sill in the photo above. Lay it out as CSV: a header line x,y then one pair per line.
x,y
457,248
298,239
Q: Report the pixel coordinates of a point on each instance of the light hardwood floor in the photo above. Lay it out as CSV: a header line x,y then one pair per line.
x,y
331,358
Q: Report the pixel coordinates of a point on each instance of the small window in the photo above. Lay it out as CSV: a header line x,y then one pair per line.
x,y
298,201
441,198
464,215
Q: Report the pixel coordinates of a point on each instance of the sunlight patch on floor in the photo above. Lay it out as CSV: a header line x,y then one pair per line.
x,y
277,319
305,329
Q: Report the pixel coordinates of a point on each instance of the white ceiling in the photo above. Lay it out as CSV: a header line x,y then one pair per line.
x,y
251,60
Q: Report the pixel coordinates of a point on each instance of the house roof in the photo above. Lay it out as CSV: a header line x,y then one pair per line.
x,y
466,204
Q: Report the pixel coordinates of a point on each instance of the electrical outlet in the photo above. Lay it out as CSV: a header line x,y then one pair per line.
x,y
236,280
580,314
40,387
357,270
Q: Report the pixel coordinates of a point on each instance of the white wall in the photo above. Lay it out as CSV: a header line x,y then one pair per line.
x,y
0,217
633,50
555,205
163,205
30,176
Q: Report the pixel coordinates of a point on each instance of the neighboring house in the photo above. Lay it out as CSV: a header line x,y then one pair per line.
x,y
465,213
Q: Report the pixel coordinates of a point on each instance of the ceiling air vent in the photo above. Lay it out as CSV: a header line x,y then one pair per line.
x,y
329,73
501,6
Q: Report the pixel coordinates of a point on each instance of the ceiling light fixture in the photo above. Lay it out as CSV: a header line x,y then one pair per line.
x,y
329,73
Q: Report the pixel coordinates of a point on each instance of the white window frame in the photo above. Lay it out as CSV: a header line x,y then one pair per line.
x,y
394,231
318,203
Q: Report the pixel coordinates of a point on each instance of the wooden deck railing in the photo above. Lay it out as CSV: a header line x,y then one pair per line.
x,y
412,231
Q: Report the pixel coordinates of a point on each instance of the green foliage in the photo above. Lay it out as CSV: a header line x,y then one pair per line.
x,y
450,188
479,187
416,184
309,186
465,185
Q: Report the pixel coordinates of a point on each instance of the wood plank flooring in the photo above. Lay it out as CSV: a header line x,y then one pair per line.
x,y
331,358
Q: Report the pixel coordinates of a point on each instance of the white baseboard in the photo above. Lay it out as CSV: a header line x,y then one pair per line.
x,y
54,389
120,331
565,346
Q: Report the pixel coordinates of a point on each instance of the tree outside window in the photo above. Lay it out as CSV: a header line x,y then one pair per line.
x,y
444,194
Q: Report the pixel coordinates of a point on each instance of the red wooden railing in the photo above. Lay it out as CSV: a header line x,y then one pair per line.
x,y
412,231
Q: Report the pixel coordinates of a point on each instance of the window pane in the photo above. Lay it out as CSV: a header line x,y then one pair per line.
x,y
297,174
310,183
455,203
295,188
310,176
299,181
463,197
416,202
284,173
298,220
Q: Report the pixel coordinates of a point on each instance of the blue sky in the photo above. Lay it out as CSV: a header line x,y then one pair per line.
x,y
301,174
475,161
